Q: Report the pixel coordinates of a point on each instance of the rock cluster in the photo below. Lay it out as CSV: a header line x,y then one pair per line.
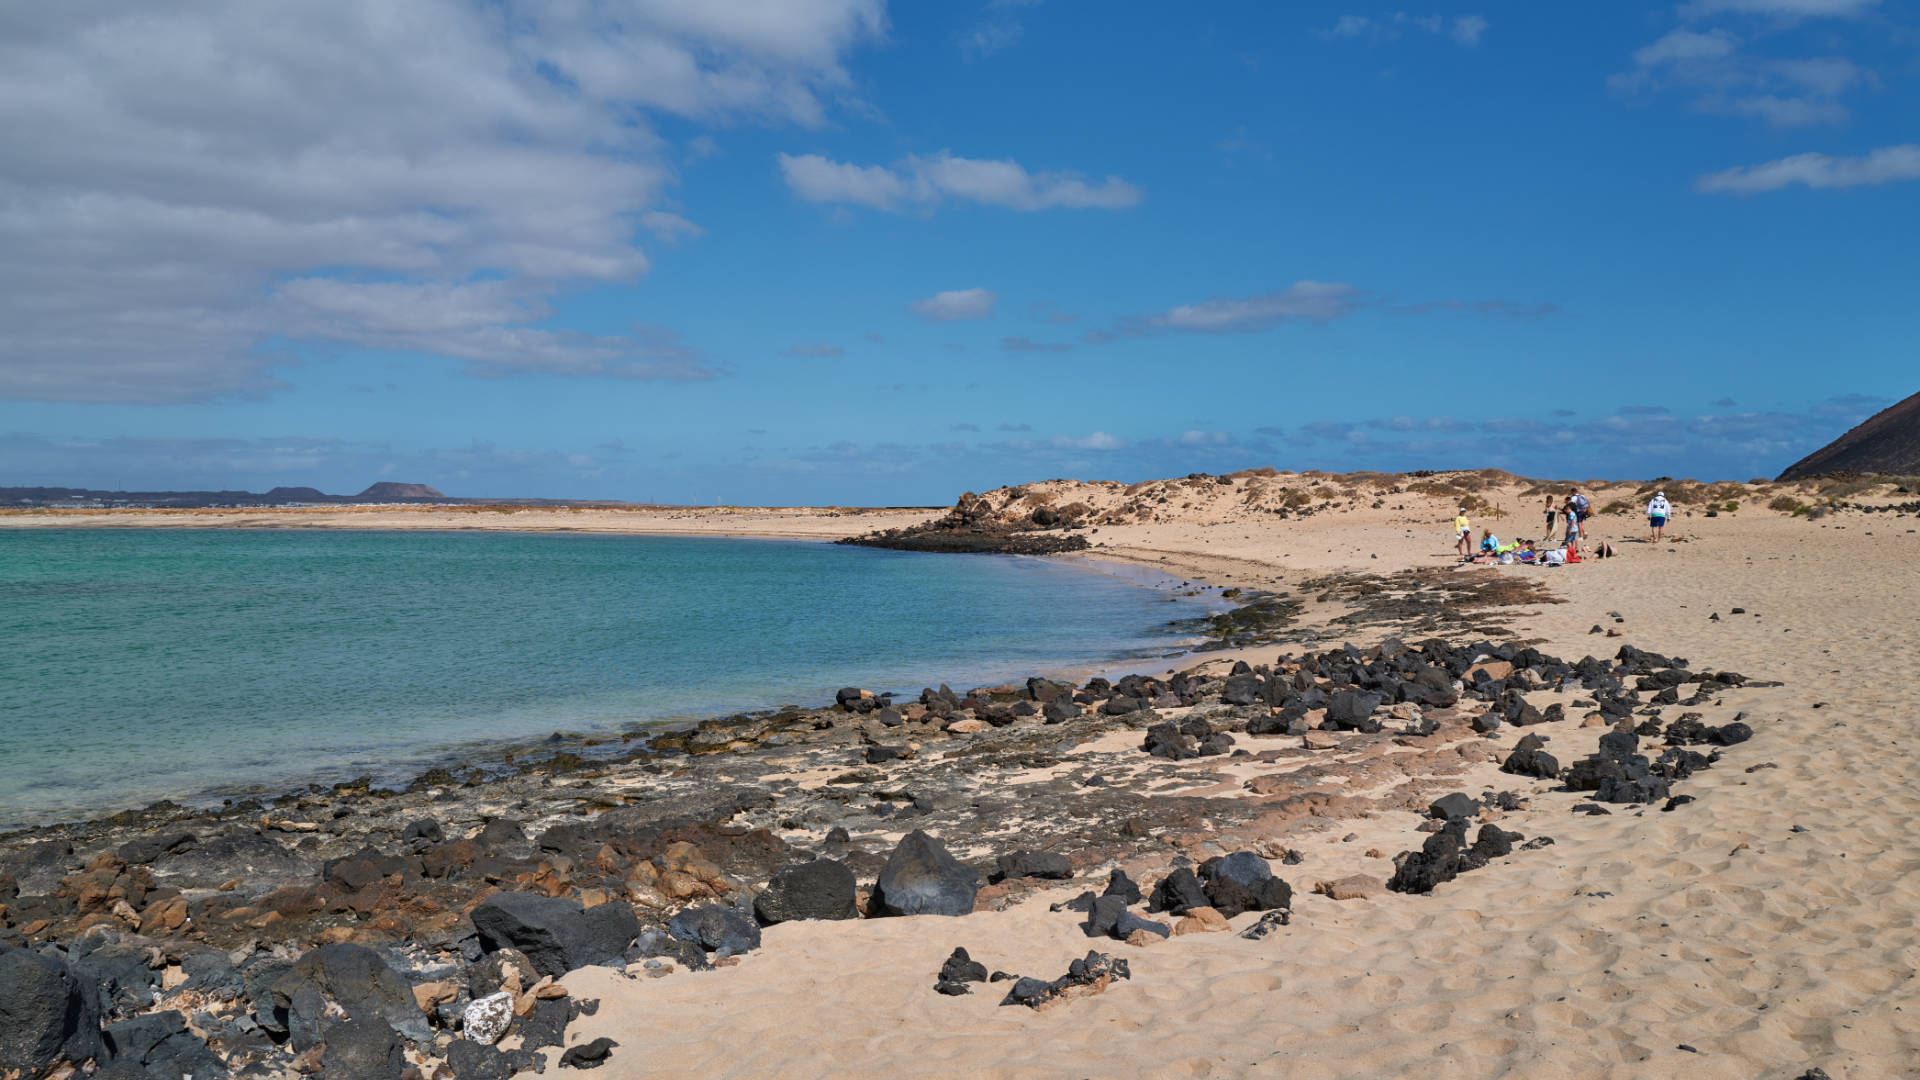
x,y
1090,974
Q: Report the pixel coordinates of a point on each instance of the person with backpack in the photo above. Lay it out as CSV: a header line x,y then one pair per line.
x,y
1578,508
1658,511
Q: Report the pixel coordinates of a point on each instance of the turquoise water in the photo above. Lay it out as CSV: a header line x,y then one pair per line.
x,y
142,664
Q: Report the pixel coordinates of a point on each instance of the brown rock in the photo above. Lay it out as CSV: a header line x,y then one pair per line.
x,y
967,727
1144,938
1495,669
1352,887
593,897
1319,740
1200,920
428,994
1593,719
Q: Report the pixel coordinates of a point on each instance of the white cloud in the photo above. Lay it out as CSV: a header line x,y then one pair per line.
x,y
927,181
1682,45
1710,66
670,228
1099,440
955,305
1311,301
189,157
1778,8
1465,30
1887,165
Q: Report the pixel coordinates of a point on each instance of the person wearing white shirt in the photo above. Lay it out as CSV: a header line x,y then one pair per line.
x,y
1658,511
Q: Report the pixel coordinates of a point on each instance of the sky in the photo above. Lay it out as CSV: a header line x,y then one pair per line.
x,y
847,251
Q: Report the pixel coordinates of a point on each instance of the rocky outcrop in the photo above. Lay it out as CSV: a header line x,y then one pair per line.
x,y
1887,444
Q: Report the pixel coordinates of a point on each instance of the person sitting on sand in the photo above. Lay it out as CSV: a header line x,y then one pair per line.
x,y
1489,543
1658,511
1463,532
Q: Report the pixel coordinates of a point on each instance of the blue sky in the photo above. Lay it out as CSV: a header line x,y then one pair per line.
x,y
845,251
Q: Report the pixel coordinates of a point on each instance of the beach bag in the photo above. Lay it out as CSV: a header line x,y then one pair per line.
x,y
1580,505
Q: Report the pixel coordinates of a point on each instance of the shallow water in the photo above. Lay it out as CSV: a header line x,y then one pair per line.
x,y
141,664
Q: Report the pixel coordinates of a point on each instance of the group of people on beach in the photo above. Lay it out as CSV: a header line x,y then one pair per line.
x,y
1576,509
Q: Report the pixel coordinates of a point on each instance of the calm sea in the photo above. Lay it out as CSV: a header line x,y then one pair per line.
x,y
141,664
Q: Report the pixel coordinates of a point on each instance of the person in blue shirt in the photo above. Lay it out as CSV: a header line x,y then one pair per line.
x,y
1489,543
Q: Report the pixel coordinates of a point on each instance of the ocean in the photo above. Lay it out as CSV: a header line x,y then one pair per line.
x,y
140,664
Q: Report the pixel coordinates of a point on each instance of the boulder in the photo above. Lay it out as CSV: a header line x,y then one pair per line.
x,y
717,929
920,878
361,1049
358,981
1456,805
1241,882
161,1046
821,889
477,1061
555,933
1178,892
1529,759
1109,917
1119,884
46,1015
1351,710
1034,864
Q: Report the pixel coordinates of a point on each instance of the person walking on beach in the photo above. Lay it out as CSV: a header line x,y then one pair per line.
x,y
1577,510
1658,511
1549,533
1462,533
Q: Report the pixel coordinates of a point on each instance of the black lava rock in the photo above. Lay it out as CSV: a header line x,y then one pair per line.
x,y
588,1055
161,1046
1241,882
821,889
959,970
1034,864
1178,893
356,979
46,1015
1529,759
555,933
1456,805
921,878
717,929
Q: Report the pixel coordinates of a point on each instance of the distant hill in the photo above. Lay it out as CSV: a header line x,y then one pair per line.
x,y
388,490
1887,444
89,497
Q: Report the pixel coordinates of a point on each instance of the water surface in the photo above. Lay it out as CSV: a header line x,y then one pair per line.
x,y
141,664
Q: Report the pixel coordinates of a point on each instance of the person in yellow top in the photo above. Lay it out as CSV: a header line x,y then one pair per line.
x,y
1463,533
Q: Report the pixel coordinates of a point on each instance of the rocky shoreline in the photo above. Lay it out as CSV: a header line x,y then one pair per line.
x,y
356,931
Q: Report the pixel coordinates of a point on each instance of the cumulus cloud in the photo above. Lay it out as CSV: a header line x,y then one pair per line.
x,y
955,305
1887,165
1465,30
1303,301
817,350
930,180
187,159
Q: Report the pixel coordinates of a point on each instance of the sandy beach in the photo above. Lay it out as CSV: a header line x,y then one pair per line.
x,y
1762,929
1767,928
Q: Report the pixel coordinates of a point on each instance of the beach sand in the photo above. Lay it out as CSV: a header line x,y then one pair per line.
x,y
1764,929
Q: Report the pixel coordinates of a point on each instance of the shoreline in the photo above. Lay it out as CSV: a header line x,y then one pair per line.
x,y
1590,953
